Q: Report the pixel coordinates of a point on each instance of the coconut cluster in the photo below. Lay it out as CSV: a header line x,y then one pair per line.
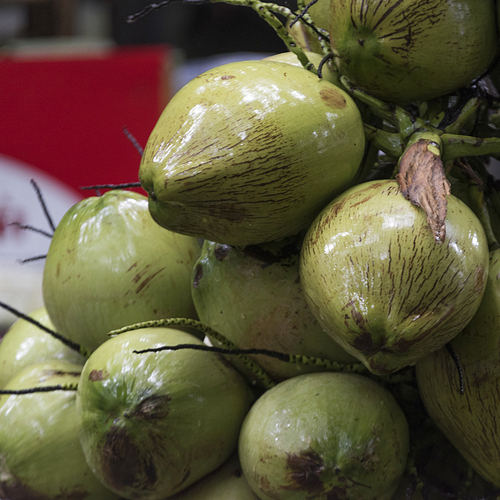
x,y
306,303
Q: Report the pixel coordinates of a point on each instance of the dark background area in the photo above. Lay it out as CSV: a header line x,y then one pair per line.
x,y
199,30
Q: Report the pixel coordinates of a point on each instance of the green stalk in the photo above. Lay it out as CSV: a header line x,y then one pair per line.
x,y
455,146
255,368
390,143
265,11
406,123
465,115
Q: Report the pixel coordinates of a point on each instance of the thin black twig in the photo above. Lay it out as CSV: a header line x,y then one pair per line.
x,y
300,15
31,228
322,63
155,6
32,390
113,186
42,203
64,340
32,259
133,140
219,350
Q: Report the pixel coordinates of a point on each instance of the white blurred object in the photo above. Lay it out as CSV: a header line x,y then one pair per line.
x,y
20,283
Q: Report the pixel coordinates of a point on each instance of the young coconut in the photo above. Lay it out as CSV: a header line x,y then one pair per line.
x,y
225,483
381,285
26,344
468,414
316,59
325,436
153,423
319,13
250,152
110,265
253,297
40,452
396,50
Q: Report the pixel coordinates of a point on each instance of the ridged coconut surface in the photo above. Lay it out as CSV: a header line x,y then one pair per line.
x,y
470,420
250,152
381,285
405,50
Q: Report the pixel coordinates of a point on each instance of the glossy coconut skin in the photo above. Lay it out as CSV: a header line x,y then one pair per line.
x,y
110,265
26,344
250,152
380,284
470,420
152,424
325,436
291,58
253,297
227,482
40,452
406,50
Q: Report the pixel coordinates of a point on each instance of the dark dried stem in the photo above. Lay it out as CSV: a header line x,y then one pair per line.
x,y
300,16
43,205
69,343
112,186
33,390
133,140
31,228
33,259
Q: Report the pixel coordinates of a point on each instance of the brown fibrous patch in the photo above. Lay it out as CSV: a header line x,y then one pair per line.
x,y
123,464
305,469
152,408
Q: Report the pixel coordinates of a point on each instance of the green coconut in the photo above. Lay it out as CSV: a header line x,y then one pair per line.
x,y
40,453
151,424
290,58
110,265
305,37
250,152
253,297
470,420
26,344
225,483
325,436
412,50
381,285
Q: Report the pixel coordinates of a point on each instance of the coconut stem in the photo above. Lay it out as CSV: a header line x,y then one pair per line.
x,y
455,146
405,122
322,36
390,143
266,12
466,113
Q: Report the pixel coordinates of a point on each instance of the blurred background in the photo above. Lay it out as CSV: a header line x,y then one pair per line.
x,y
78,85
